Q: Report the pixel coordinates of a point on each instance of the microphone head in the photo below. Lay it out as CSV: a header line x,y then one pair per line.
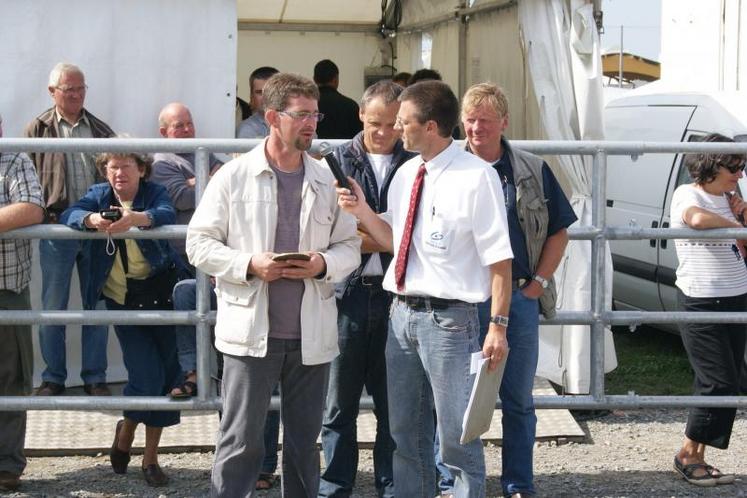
x,y
325,148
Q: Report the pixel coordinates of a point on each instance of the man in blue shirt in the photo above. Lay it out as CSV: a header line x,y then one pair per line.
x,y
538,215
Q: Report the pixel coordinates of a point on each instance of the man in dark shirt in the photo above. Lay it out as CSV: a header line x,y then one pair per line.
x,y
340,112
538,214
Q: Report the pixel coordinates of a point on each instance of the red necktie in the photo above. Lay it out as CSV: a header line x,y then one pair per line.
x,y
400,269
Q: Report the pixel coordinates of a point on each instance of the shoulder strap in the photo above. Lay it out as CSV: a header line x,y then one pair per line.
x,y
121,243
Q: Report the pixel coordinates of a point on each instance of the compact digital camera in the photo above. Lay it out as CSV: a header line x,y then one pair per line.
x,y
111,214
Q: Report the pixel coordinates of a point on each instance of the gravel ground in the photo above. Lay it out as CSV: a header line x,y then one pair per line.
x,y
626,454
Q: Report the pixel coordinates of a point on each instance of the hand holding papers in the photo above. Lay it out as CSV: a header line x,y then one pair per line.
x,y
482,400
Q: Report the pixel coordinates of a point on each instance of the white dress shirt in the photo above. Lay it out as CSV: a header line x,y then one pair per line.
x,y
459,231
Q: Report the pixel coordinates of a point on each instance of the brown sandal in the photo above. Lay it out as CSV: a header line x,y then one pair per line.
x,y
266,481
154,476
184,391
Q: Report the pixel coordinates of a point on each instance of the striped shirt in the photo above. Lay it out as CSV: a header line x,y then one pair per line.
x,y
80,167
18,183
708,267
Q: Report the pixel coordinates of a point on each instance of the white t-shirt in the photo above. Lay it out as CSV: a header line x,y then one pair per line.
x,y
708,267
380,164
459,231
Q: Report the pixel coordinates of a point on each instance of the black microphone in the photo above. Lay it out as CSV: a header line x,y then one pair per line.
x,y
327,153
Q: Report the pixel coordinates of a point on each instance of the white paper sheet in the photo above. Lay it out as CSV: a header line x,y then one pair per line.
x,y
482,399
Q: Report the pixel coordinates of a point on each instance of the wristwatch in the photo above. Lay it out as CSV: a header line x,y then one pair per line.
x,y
541,280
500,320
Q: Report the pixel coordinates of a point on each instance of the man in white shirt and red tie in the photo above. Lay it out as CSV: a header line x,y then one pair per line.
x,y
446,225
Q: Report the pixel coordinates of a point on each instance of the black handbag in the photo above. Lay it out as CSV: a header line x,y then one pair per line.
x,y
152,293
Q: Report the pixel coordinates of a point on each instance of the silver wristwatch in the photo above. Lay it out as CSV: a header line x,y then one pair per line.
x,y
541,280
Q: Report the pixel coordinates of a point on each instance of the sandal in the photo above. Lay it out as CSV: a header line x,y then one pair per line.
x,y
720,477
687,472
266,481
154,476
185,390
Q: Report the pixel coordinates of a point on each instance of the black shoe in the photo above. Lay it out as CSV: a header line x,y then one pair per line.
x,y
50,389
97,389
9,481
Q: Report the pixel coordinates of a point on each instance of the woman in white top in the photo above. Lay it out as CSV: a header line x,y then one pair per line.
x,y
711,276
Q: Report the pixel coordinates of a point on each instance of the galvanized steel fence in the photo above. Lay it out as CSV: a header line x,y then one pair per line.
x,y
598,317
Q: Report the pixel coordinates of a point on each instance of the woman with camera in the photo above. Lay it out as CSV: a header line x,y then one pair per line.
x,y
711,276
134,274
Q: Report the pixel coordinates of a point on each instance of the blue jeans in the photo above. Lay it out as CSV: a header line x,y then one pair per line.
x,y
428,362
445,479
57,258
362,321
185,299
519,421
149,354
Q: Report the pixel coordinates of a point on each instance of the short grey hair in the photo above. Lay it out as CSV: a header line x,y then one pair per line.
x,y
60,69
387,90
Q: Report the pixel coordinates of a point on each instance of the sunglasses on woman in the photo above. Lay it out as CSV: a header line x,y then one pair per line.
x,y
734,167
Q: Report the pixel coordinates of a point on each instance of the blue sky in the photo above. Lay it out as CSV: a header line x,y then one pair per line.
x,y
641,21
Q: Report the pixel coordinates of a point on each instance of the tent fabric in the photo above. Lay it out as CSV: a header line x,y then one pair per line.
x,y
495,54
303,11
562,47
135,60
445,53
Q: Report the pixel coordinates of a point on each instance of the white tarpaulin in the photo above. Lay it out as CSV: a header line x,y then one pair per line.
x,y
562,47
136,56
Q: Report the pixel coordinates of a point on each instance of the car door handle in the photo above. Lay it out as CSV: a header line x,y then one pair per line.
x,y
652,242
663,242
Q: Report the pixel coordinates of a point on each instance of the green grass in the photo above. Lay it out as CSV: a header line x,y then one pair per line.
x,y
650,362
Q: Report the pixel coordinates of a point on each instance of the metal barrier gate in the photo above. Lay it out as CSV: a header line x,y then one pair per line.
x,y
597,317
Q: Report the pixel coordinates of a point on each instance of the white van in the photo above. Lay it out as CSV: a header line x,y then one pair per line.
x,y
639,190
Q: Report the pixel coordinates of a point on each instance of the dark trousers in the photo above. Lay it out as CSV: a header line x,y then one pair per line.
x,y
16,358
363,324
716,352
149,354
248,383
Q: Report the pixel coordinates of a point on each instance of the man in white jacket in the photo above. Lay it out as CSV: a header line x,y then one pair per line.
x,y
277,317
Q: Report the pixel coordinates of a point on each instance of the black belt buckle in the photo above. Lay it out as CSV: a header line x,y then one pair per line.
x,y
371,280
